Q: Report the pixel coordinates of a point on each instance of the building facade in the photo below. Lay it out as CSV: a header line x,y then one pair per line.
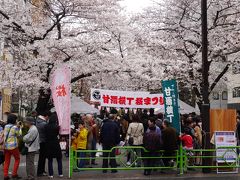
x,y
234,87
226,94
219,96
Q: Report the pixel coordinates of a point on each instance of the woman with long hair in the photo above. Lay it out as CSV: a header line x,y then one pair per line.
x,y
135,134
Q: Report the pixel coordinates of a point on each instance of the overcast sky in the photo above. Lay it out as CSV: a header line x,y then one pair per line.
x,y
136,5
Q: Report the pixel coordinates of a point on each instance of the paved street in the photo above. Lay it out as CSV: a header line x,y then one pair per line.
x,y
137,175
22,171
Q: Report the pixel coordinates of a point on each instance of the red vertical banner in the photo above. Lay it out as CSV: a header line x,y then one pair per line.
x,y
61,93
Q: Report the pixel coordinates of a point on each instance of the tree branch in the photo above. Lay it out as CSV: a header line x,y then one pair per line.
x,y
19,28
193,42
183,14
196,91
120,46
81,76
219,77
216,18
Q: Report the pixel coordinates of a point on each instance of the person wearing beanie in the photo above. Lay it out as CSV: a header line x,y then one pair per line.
x,y
31,140
12,131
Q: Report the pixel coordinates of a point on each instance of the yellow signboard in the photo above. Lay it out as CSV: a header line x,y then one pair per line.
x,y
6,100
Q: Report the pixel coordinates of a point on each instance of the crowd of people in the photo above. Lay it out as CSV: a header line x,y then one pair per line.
x,y
37,134
150,131
84,136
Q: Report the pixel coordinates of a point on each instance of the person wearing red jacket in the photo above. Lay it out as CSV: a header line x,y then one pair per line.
x,y
187,140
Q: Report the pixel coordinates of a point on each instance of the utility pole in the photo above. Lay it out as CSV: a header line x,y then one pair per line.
x,y
205,86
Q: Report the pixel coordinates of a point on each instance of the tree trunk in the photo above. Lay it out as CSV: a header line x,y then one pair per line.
x,y
205,87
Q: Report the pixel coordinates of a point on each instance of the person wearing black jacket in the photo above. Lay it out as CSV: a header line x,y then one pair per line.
x,y
169,140
109,137
53,149
151,142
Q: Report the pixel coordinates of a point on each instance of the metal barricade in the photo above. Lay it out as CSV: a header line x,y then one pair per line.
x,y
181,158
122,159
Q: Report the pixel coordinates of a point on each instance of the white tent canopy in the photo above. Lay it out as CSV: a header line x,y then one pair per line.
x,y
81,107
197,110
184,108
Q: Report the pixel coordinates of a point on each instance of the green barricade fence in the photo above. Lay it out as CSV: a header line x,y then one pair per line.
x,y
224,163
181,160
122,159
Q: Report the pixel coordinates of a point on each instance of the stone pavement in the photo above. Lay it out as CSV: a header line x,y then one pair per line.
x,y
162,175
125,175
22,170
137,175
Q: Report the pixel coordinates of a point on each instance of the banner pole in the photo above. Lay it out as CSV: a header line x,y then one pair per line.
x,y
71,162
181,147
181,160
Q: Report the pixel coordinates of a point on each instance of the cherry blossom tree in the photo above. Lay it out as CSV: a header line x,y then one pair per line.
x,y
109,49
176,27
40,35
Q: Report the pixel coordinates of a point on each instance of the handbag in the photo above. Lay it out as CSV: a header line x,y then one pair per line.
x,y
24,150
131,139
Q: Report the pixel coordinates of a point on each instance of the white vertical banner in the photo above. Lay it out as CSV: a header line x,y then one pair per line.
x,y
61,93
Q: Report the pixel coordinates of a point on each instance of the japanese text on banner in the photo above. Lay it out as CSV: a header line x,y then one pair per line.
x,y
60,87
127,99
170,94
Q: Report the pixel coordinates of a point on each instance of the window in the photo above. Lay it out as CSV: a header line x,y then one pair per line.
x,y
236,92
215,96
224,95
